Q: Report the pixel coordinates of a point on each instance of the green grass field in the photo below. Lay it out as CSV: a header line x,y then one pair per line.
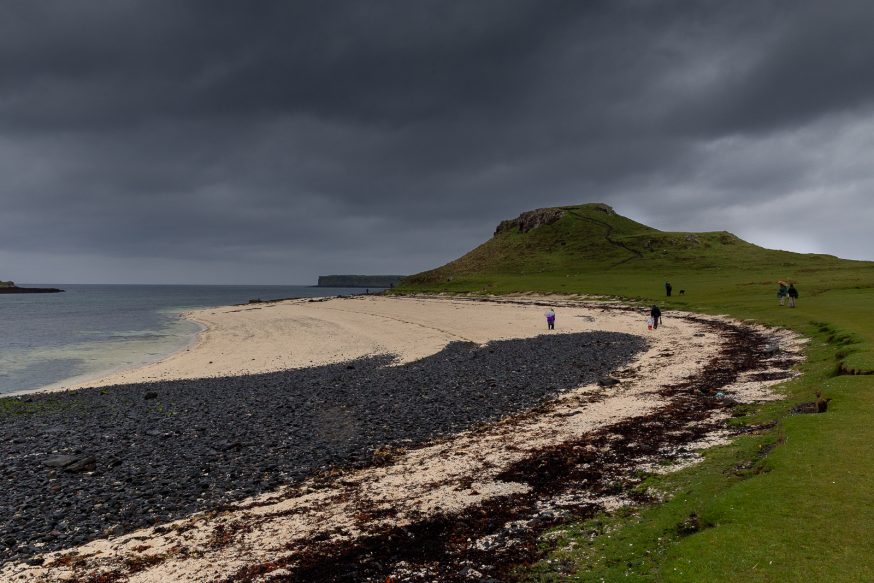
x,y
792,503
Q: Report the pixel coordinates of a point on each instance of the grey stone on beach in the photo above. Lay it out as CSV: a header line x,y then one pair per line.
x,y
114,530
227,445
71,463
83,464
217,440
59,461
773,347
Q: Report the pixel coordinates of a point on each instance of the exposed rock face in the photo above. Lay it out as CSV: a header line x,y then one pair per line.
x,y
530,220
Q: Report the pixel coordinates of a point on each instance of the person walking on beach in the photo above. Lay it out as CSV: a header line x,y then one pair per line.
x,y
793,295
781,292
655,315
668,288
550,319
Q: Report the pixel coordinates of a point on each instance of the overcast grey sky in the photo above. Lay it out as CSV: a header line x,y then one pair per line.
x,y
215,141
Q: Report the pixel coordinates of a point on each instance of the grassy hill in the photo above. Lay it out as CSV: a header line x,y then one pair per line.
x,y
802,509
591,249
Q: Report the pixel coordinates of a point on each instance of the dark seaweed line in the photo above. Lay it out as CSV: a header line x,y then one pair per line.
x,y
439,546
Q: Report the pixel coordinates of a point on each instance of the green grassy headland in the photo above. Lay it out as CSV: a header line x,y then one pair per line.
x,y
793,503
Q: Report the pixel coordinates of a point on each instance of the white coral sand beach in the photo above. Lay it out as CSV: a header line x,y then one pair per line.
x,y
305,332
448,477
297,333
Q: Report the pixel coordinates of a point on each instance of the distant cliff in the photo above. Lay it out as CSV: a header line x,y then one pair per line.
x,y
8,287
359,280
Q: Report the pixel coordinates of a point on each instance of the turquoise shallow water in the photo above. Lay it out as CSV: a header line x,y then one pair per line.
x,y
90,329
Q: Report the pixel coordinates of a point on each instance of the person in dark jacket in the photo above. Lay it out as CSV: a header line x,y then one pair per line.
x,y
793,295
656,315
668,288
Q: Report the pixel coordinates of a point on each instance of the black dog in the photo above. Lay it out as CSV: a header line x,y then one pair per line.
x,y
682,292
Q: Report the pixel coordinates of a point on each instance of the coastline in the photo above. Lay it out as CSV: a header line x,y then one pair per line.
x,y
461,473
245,339
94,331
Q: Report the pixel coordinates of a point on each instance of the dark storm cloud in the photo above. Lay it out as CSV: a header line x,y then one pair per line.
x,y
380,62
298,138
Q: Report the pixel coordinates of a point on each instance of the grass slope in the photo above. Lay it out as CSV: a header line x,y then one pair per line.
x,y
793,503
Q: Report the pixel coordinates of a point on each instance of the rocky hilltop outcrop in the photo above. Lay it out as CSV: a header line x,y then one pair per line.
x,y
530,220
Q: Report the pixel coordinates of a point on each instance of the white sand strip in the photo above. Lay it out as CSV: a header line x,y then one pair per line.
x,y
298,333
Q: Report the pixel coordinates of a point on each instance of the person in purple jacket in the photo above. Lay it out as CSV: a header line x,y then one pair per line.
x,y
550,319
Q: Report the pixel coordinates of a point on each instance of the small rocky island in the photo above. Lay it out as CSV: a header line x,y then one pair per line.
x,y
9,287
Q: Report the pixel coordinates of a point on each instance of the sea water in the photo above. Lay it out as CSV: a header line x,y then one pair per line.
x,y
94,329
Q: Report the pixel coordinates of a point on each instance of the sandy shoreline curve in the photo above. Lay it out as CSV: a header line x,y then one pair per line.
x,y
273,336
268,537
